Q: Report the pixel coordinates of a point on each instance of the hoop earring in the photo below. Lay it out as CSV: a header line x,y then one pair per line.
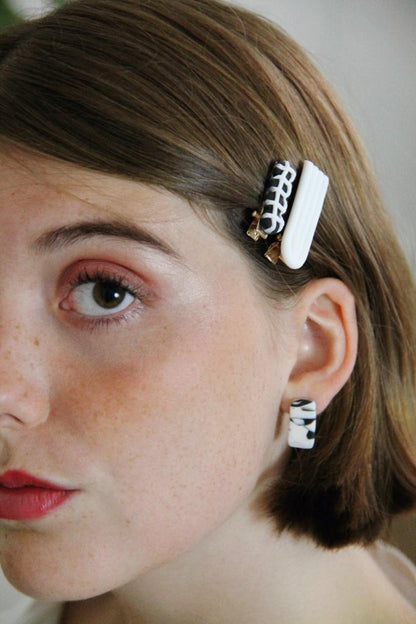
x,y
302,424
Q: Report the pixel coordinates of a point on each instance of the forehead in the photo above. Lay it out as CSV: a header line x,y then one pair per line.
x,y
38,193
27,175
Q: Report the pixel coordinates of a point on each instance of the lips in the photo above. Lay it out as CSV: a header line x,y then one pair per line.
x,y
25,497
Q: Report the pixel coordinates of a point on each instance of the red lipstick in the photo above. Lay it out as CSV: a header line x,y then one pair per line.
x,y
25,497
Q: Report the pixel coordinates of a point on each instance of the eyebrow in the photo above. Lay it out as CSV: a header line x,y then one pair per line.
x,y
67,235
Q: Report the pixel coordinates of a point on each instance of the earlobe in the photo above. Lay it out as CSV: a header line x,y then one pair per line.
x,y
327,342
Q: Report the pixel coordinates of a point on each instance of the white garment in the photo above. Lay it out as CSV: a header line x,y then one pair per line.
x,y
400,571
36,613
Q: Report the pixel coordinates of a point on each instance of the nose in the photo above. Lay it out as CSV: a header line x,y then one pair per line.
x,y
23,392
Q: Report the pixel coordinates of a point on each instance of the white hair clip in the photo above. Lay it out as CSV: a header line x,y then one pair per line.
x,y
294,225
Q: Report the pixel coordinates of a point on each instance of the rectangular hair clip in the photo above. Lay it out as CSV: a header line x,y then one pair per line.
x,y
294,227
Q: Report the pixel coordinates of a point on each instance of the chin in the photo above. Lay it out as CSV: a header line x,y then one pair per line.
x,y
58,588
54,574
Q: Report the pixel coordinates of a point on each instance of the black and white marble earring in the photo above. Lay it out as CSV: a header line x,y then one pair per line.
x,y
302,426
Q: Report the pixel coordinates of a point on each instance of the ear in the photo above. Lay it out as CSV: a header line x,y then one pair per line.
x,y
327,335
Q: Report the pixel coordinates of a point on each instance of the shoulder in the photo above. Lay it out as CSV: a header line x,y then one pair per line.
x,y
400,571
361,585
384,587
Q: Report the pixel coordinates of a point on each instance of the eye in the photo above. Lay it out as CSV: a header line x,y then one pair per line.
x,y
97,294
100,297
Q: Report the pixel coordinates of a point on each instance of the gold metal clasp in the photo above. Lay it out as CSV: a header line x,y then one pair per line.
x,y
273,252
254,231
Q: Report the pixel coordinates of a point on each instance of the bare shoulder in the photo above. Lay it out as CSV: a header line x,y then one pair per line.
x,y
380,586
374,585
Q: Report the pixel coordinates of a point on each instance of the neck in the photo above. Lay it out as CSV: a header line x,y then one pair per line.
x,y
241,573
222,580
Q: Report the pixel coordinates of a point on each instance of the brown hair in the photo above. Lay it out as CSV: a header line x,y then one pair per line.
x,y
200,97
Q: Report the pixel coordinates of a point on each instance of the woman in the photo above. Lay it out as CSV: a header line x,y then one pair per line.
x,y
166,330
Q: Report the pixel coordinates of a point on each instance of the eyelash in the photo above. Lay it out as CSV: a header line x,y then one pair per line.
x,y
112,279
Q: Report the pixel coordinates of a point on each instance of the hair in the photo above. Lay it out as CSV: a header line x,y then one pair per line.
x,y
200,97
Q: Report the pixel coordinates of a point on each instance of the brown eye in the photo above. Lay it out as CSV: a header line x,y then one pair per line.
x,y
108,295
99,297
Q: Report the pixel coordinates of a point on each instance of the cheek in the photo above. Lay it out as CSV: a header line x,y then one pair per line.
x,y
179,428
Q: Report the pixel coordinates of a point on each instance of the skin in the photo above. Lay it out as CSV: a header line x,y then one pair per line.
x,y
143,422
166,418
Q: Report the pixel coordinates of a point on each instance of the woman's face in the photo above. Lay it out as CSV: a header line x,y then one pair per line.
x,y
140,367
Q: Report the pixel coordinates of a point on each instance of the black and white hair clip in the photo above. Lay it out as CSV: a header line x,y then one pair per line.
x,y
292,220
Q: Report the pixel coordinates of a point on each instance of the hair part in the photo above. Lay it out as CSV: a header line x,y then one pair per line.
x,y
199,98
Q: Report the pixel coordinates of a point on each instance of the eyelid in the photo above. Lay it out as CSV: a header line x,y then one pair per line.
x,y
89,270
104,268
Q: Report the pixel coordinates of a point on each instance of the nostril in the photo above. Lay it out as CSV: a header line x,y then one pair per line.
x,y
24,387
24,395
26,419
10,421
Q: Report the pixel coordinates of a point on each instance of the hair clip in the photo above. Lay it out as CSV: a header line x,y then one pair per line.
x,y
295,224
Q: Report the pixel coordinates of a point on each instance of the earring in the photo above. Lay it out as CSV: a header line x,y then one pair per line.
x,y
302,424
